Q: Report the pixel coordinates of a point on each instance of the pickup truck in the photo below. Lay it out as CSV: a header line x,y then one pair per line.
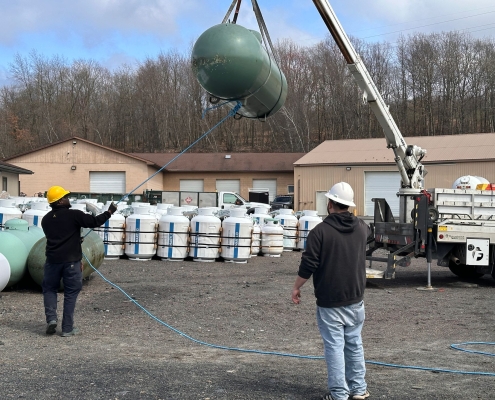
x,y
224,200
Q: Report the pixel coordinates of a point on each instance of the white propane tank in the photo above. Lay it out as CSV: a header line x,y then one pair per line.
x,y
307,222
4,272
260,213
468,182
272,239
112,232
236,236
8,210
140,234
256,240
36,213
288,221
205,235
173,235
162,209
80,207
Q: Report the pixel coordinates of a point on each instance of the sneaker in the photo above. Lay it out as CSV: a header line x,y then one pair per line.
x,y
51,327
73,332
363,396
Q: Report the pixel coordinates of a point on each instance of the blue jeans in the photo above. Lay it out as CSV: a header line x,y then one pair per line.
x,y
340,329
71,275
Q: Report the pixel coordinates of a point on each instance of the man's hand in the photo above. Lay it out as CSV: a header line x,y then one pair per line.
x,y
296,296
296,290
112,208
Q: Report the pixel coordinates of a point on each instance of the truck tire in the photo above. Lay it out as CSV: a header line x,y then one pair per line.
x,y
464,271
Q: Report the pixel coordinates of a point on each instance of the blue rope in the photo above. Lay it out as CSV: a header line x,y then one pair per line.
x,y
456,346
276,353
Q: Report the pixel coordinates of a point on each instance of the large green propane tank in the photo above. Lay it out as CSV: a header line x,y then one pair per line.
x,y
15,243
230,63
92,247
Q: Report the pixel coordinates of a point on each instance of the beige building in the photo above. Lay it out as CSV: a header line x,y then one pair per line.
x,y
369,167
10,178
86,167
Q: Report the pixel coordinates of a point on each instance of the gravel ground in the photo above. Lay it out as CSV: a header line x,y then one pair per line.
x,y
122,353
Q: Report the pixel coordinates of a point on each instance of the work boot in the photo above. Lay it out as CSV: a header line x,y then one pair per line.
x,y
73,332
51,327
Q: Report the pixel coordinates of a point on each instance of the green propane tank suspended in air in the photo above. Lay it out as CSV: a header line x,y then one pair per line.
x,y
230,63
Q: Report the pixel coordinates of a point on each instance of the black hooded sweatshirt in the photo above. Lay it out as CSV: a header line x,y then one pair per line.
x,y
336,257
62,228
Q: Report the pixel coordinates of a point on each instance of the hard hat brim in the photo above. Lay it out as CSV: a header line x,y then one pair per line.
x,y
340,201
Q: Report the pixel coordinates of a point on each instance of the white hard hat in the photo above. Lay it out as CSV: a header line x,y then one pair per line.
x,y
342,193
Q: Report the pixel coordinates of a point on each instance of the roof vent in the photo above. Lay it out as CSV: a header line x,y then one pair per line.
x,y
227,156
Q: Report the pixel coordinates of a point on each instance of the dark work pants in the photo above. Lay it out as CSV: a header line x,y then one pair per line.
x,y
71,275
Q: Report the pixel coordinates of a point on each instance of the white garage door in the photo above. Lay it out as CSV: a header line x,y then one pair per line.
x,y
382,185
270,184
191,185
228,185
107,182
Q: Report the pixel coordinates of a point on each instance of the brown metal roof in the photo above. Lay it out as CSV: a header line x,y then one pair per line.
x,y
214,162
440,149
83,140
12,168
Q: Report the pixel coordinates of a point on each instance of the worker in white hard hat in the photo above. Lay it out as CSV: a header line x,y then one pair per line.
x,y
62,228
335,256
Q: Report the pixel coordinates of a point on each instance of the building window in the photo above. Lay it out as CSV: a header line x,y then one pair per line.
x,y
290,189
4,183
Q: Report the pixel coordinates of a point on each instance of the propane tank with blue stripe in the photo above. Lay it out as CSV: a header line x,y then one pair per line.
x,y
112,232
308,221
272,238
237,230
288,221
204,243
8,210
36,213
173,235
140,234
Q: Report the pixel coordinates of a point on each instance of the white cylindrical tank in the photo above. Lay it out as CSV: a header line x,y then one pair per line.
x,y
173,235
288,221
140,234
4,272
260,213
112,232
204,240
468,182
256,240
36,213
237,231
79,206
8,210
308,221
272,239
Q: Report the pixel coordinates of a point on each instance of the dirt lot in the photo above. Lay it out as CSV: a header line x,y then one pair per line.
x,y
122,353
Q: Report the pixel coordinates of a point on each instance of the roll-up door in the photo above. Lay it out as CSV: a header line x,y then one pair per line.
x,y
107,182
191,185
383,184
228,185
270,184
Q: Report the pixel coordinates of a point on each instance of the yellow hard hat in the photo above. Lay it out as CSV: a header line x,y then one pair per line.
x,y
55,193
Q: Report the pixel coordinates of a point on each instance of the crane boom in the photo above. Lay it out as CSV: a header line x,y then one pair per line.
x,y
407,158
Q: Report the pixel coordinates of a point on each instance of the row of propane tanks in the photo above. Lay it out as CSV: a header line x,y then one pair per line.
x,y
141,232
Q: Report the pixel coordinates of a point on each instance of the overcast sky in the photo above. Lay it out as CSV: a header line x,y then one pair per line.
x,y
117,32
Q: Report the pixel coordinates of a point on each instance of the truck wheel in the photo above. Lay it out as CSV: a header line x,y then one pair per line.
x,y
464,271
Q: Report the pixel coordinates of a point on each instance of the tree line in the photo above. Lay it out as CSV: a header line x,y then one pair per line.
x,y
435,84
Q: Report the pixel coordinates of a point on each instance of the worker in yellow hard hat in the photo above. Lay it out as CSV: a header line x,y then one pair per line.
x,y
62,228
